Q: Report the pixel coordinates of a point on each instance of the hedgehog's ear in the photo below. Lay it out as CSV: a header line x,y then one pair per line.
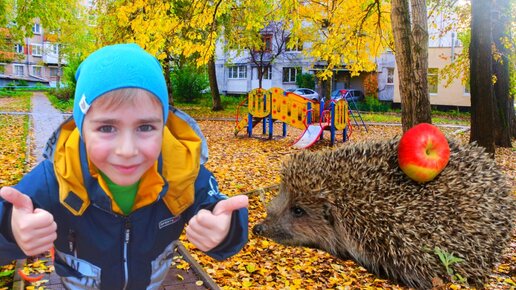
x,y
327,214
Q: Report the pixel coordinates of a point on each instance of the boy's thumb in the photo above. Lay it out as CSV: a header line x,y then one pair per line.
x,y
19,200
231,204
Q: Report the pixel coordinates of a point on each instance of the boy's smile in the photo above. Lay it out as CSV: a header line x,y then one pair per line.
x,y
124,140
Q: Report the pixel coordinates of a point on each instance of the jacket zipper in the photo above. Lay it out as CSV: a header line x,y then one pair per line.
x,y
127,232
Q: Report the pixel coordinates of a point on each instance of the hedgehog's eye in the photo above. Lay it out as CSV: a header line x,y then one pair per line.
x,y
297,211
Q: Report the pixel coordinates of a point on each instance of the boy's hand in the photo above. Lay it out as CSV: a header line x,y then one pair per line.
x,y
207,228
33,229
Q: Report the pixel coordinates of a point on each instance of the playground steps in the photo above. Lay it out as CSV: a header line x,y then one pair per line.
x,y
243,123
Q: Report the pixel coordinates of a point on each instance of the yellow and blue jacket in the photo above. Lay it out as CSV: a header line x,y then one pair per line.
x,y
98,247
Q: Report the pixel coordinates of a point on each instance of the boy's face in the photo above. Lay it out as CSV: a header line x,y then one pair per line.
x,y
124,141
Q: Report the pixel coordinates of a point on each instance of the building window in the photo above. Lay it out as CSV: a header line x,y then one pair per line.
x,y
290,73
37,71
37,50
2,68
390,75
467,88
18,70
267,42
293,47
267,74
237,72
54,71
433,80
36,28
18,48
54,49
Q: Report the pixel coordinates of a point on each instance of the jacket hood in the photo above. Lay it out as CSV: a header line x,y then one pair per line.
x,y
172,177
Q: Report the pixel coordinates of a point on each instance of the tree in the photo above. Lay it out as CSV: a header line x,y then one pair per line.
x,y
255,32
503,58
410,32
171,30
504,108
349,33
214,88
481,81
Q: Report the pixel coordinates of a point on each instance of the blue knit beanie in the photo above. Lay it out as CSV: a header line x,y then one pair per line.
x,y
115,67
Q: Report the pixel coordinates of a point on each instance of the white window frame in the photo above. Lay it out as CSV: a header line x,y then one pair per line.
x,y
431,76
18,48
291,74
390,76
267,74
37,49
35,68
54,48
237,72
16,68
36,28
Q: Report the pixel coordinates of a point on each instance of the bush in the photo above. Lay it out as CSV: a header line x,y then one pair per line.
x,y
188,83
372,104
10,86
63,94
305,80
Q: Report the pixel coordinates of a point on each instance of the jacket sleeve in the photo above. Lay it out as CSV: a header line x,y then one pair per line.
x,y
207,195
35,185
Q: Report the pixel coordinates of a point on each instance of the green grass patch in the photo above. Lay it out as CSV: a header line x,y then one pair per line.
x,y
65,106
202,108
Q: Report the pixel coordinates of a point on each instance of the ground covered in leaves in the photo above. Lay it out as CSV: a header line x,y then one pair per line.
x,y
251,165
242,164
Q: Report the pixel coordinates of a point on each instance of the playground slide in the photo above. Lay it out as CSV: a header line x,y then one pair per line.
x,y
309,137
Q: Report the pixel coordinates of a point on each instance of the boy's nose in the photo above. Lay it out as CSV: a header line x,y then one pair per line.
x,y
127,145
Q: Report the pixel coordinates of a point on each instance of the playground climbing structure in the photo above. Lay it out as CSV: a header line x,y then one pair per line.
x,y
275,105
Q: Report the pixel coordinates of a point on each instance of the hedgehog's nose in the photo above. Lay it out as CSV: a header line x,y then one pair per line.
x,y
258,229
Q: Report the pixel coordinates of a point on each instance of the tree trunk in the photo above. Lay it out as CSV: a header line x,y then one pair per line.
x,y
411,48
504,109
421,103
482,99
214,88
166,72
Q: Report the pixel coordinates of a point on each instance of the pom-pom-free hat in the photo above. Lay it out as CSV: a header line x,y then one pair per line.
x,y
115,67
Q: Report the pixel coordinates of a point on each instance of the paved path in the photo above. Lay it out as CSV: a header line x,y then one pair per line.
x,y
45,119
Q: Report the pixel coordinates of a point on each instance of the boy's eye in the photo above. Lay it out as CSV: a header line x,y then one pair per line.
x,y
146,128
106,129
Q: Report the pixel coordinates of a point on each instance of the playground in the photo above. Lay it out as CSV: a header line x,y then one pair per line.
x,y
291,110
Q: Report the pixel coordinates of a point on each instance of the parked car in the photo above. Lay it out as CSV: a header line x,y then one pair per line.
x,y
306,93
350,94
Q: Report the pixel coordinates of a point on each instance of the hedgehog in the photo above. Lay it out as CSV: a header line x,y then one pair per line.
x,y
354,202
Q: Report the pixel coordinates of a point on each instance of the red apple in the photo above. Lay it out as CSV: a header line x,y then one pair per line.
x,y
423,152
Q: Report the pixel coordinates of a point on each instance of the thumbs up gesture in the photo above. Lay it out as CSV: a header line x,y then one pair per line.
x,y
33,229
207,228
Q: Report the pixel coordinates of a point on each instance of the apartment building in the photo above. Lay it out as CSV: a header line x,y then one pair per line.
x,y
34,61
238,74
443,49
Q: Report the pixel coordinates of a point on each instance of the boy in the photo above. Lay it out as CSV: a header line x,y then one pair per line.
x,y
120,182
